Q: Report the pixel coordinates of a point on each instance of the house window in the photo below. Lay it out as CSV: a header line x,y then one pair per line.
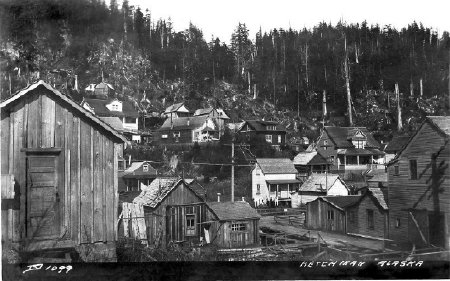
x,y
258,189
238,227
325,143
164,136
330,215
413,169
396,170
279,138
190,221
271,128
130,120
257,172
145,168
269,138
370,222
397,223
115,107
332,159
176,134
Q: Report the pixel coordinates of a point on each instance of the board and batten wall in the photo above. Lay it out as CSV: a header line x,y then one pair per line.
x,y
86,171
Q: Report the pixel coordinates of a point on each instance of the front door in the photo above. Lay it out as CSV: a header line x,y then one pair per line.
x,y
43,220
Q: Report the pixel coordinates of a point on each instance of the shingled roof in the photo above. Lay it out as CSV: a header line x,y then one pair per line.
x,y
441,122
341,136
134,171
396,144
310,158
184,123
113,122
156,191
276,165
229,211
100,109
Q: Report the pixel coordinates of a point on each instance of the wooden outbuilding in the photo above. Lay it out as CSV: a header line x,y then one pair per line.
x,y
64,163
173,212
232,224
419,187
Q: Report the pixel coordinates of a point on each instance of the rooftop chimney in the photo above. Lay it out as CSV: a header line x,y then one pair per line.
x,y
218,197
76,83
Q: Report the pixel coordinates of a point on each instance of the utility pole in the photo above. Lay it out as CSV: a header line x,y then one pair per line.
x,y
347,84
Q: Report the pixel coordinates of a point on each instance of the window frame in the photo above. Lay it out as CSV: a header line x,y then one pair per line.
x,y
330,215
258,189
190,215
370,219
145,168
413,174
269,137
238,226
396,170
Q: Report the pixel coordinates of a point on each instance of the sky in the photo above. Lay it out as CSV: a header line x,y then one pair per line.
x,y
220,18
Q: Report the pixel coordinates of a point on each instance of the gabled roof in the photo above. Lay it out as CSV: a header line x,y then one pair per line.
x,y
66,100
320,182
153,194
260,126
341,202
100,109
440,123
341,136
310,158
229,211
134,170
396,144
196,187
184,123
103,85
276,165
174,107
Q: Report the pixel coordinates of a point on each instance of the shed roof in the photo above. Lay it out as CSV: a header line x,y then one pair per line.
x,y
184,123
229,211
318,182
396,144
156,191
276,165
341,136
41,84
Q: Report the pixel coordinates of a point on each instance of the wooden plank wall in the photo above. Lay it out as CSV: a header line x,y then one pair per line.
x,y
317,216
404,193
87,174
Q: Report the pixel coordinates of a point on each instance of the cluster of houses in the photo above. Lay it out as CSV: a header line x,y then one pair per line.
x,y
63,186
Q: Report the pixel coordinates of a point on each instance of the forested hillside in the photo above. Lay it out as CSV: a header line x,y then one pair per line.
x,y
280,74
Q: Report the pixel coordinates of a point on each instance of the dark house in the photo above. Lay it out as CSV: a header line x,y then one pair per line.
x,y
308,162
419,187
232,224
64,163
273,132
173,211
138,173
350,149
188,130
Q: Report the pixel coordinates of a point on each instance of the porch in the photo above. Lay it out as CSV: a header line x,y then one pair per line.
x,y
360,159
281,189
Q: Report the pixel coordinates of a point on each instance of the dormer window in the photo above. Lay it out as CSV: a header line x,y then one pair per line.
x,y
115,107
271,127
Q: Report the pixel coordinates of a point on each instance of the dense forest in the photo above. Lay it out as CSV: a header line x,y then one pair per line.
x,y
289,70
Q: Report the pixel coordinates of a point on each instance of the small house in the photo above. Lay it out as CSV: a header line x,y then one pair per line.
x,y
218,115
188,130
176,110
273,132
64,163
419,187
232,224
138,173
173,211
309,162
319,185
351,150
273,181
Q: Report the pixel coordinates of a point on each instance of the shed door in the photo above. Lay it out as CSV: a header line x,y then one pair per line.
x,y
42,197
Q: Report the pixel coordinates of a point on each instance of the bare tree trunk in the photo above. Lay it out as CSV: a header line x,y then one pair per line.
x,y
273,81
399,109
411,88
298,93
347,85
306,62
249,83
214,73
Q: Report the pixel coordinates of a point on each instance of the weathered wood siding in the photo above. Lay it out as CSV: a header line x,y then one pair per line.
x,y
405,193
185,136
156,219
87,169
317,217
358,221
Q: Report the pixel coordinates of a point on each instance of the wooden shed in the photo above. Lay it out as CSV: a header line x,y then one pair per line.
x,y
232,224
64,163
173,211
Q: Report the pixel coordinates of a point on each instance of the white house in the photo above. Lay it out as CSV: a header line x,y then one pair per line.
x,y
274,179
319,185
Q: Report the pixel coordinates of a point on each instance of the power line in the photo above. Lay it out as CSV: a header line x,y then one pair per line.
x,y
204,163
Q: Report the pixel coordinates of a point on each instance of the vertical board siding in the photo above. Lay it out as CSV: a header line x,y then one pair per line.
x,y
98,187
86,174
5,135
59,141
48,121
18,217
405,193
109,198
73,129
